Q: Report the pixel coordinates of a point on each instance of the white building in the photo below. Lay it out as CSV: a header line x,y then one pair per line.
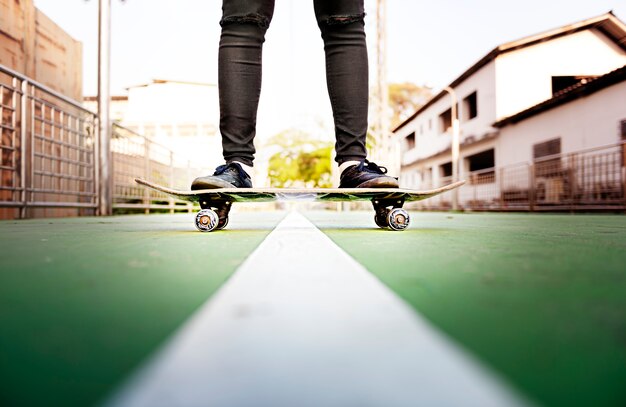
x,y
546,87
583,117
183,116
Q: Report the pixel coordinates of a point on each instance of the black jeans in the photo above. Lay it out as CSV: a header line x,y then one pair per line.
x,y
244,23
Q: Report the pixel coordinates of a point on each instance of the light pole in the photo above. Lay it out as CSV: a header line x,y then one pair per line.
x,y
104,90
386,151
455,145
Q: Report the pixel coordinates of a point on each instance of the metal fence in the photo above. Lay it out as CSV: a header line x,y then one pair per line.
x,y
593,179
49,153
134,155
49,157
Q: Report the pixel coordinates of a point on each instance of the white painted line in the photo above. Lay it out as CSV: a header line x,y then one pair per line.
x,y
302,324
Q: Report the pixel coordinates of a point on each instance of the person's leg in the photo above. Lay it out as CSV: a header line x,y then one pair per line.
x,y
244,23
342,26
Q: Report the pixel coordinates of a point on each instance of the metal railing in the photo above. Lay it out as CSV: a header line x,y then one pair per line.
x,y
592,179
134,155
49,158
48,149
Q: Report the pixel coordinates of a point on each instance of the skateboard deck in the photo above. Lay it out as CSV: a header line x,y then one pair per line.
x,y
216,203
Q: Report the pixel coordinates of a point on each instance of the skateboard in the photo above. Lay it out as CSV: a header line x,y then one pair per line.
x,y
216,203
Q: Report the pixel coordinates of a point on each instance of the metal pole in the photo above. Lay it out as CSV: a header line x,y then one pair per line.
x,y
104,130
532,192
383,149
171,200
23,134
455,146
146,168
622,173
392,151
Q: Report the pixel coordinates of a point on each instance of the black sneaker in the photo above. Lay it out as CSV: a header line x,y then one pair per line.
x,y
367,175
230,175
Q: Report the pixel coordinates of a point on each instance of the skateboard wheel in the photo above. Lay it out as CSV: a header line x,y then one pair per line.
x,y
381,220
206,220
222,223
398,219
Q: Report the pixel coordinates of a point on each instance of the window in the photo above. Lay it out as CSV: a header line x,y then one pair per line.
x,y
544,166
430,124
208,129
410,141
481,167
547,148
481,161
560,83
445,121
446,169
165,130
187,130
470,107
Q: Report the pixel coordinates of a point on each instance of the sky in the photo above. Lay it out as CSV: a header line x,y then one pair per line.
x,y
428,43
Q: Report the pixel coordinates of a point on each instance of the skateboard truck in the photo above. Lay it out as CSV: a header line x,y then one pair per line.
x,y
389,213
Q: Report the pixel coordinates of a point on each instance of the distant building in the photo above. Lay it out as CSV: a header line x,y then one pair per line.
x,y
586,115
33,45
555,92
183,116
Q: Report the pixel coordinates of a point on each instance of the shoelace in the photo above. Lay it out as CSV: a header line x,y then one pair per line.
x,y
221,169
371,167
241,173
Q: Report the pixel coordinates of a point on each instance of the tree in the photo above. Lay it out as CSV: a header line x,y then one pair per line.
x,y
405,99
300,161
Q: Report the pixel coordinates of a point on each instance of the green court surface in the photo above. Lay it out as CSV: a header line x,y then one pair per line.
x,y
84,301
539,297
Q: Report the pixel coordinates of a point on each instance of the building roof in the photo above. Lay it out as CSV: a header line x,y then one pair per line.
x,y
114,98
143,85
574,92
608,24
162,81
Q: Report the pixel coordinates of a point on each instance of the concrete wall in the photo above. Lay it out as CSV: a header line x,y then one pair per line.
x,y
589,122
430,139
524,77
32,44
484,84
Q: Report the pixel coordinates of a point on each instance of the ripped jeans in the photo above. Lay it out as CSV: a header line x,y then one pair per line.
x,y
244,23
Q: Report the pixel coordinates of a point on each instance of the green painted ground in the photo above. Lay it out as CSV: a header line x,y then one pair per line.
x,y
541,298
83,301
